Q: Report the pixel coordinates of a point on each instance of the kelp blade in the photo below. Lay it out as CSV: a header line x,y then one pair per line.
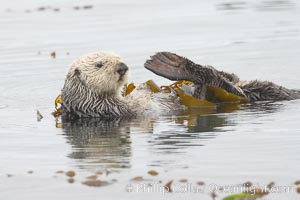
x,y
193,102
154,88
241,196
129,89
224,96
58,100
58,109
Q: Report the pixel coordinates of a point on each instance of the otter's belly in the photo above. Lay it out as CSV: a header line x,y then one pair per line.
x,y
144,102
164,103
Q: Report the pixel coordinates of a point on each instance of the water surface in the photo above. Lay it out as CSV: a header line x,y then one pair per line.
x,y
260,143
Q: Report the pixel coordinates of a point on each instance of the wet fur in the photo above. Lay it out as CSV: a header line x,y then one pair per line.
x,y
91,91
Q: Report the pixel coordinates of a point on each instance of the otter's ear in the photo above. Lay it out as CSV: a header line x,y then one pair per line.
x,y
77,72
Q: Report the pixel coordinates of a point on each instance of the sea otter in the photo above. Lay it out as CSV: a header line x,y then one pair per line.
x,y
93,86
93,89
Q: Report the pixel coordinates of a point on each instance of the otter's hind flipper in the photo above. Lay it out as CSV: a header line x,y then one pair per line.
x,y
268,91
175,67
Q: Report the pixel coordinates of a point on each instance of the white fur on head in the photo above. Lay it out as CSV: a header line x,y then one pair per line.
x,y
101,79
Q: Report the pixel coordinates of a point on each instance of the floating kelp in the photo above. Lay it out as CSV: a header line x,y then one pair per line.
x,y
200,183
70,173
252,194
153,172
129,88
95,183
168,186
224,96
183,180
185,89
241,196
192,102
270,185
138,178
58,108
53,54
154,88
247,184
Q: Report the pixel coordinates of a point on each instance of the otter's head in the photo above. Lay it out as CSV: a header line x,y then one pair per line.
x,y
101,72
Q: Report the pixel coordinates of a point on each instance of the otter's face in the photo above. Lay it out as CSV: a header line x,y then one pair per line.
x,y
100,72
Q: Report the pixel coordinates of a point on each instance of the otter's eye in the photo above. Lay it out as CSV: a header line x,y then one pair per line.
x,y
99,65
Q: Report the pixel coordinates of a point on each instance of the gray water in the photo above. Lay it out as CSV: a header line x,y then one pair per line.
x,y
257,39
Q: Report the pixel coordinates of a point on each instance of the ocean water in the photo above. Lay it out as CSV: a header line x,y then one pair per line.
x,y
256,39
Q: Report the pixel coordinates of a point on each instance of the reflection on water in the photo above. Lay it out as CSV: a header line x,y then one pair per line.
x,y
263,107
107,144
196,129
98,142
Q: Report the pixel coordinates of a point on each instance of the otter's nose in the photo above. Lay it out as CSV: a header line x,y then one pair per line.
x,y
122,69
